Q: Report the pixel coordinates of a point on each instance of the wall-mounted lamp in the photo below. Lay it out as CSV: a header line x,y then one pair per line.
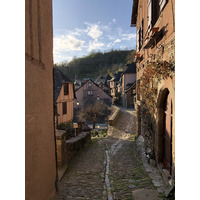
x,y
77,103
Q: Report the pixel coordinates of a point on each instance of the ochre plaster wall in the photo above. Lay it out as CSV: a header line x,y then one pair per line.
x,y
40,162
65,98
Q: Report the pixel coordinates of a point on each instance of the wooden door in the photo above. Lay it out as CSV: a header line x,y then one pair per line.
x,y
167,135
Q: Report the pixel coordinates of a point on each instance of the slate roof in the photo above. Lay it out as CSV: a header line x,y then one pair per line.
x,y
131,85
117,76
130,68
103,79
58,79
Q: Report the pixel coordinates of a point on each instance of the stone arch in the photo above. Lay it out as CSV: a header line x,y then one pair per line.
x,y
163,93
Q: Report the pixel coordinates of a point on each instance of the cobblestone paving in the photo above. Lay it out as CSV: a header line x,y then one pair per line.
x,y
107,168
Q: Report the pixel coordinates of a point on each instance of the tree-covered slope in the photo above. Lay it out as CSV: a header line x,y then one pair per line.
x,y
97,63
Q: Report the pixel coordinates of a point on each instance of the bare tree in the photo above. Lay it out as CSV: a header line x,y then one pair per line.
x,y
92,111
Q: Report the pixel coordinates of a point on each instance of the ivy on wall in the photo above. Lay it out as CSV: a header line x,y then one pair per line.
x,y
153,73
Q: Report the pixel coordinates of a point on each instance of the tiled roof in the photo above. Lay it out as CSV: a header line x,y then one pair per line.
x,y
58,79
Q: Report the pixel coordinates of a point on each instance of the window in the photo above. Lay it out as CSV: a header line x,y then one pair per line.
x,y
66,89
64,106
154,9
140,37
90,93
89,84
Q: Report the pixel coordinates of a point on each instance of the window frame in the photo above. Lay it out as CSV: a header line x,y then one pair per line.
x,y
90,93
66,89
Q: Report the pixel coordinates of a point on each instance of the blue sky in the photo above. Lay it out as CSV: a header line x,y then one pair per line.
x,y
82,26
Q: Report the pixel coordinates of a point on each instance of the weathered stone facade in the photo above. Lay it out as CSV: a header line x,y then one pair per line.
x,y
155,25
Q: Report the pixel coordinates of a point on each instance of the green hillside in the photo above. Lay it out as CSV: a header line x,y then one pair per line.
x,y
97,63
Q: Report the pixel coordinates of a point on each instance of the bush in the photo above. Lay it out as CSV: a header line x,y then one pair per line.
x,y
64,126
94,132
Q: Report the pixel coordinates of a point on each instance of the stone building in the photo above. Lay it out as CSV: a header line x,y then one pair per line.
x,y
114,85
155,90
90,91
128,78
40,156
64,94
129,95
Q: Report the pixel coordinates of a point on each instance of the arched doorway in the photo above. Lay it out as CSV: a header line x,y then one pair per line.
x,y
164,130
167,134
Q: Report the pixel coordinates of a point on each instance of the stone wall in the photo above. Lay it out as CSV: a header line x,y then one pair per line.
x,y
76,144
67,149
112,119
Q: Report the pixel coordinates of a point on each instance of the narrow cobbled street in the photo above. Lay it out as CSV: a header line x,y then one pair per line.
x,y
108,168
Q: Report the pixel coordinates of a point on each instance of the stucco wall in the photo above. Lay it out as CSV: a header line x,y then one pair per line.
x,y
40,162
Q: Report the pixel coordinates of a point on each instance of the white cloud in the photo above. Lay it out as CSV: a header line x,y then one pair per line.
x,y
128,36
114,21
95,45
117,41
67,43
94,31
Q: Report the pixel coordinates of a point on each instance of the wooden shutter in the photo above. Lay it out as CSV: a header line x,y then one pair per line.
x,y
141,34
137,38
149,15
162,4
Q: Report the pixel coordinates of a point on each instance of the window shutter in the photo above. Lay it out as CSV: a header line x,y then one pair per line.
x,y
149,15
137,44
141,34
162,4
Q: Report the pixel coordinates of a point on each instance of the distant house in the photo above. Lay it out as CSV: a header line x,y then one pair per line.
x,y
91,91
129,95
104,79
77,85
103,82
63,97
128,78
113,84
